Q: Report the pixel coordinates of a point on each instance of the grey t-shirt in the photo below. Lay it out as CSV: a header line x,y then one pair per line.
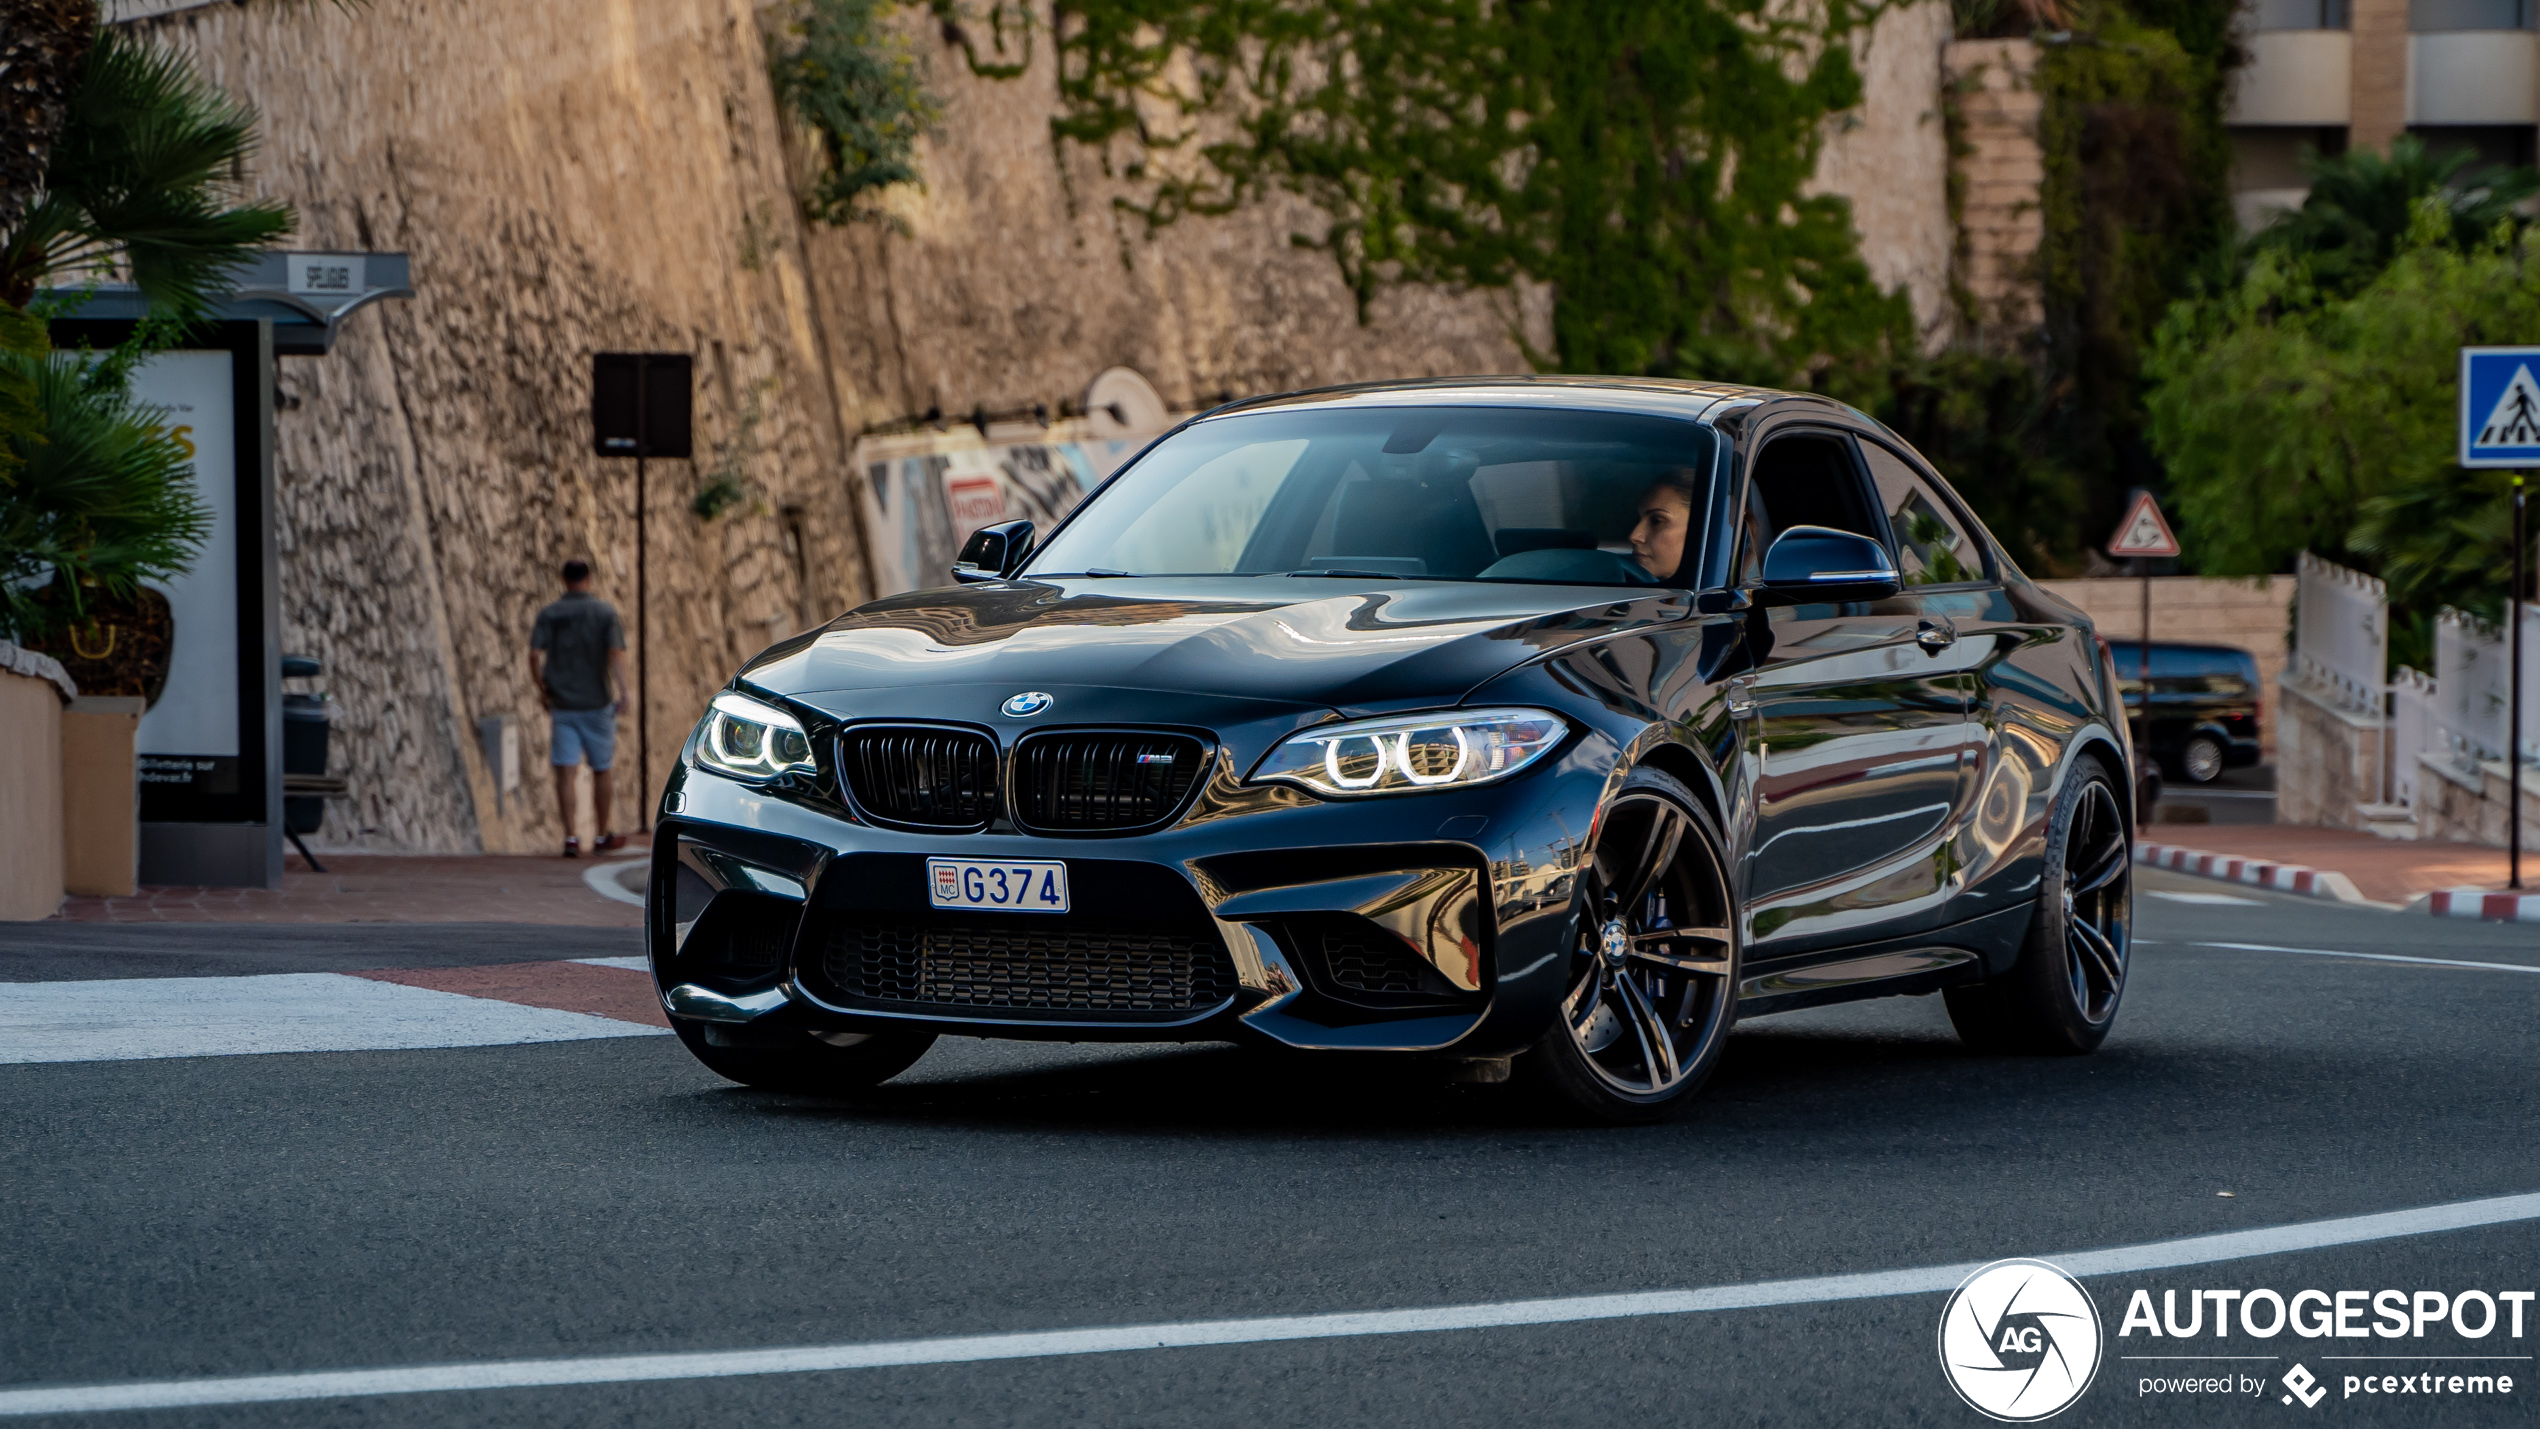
x,y
578,632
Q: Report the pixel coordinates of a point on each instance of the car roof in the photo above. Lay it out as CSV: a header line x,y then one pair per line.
x,y
1651,396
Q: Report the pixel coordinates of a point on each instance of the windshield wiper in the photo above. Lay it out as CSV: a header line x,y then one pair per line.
x,y
1348,574
1090,572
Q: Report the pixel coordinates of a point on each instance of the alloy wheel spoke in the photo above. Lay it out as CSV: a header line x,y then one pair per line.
x,y
2101,952
1658,1047
1666,831
1668,935
1572,1011
2104,868
1704,967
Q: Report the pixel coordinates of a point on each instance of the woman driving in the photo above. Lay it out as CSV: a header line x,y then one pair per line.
x,y
1665,514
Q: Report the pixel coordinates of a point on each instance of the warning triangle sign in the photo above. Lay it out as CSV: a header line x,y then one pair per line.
x,y
2144,532
2515,421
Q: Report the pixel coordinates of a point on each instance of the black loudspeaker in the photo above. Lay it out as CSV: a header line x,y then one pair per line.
x,y
640,403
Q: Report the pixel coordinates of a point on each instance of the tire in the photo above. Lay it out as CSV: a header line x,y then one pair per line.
x,y
1652,983
2061,997
2201,760
815,1068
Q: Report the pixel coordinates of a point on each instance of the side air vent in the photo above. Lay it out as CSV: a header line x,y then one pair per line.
x,y
921,777
1104,781
1376,964
742,935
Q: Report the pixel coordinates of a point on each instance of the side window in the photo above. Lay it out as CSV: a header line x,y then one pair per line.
x,y
1804,479
1932,546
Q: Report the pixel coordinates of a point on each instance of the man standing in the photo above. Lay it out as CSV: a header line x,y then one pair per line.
x,y
575,647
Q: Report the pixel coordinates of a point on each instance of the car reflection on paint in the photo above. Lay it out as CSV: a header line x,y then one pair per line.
x,y
1533,726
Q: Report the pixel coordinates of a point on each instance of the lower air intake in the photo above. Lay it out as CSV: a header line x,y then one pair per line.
x,y
1116,969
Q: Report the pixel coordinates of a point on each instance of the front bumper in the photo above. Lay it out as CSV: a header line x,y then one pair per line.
x,y
1423,923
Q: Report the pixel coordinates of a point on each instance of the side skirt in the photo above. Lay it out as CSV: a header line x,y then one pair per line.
x,y
1901,967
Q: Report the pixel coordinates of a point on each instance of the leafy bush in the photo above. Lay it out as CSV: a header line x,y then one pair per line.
x,y
850,78
102,495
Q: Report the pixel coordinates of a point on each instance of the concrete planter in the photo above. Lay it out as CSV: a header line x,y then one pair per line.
x,y
33,690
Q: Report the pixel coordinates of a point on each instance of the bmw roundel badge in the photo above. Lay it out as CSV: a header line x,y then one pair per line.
x,y
1027,704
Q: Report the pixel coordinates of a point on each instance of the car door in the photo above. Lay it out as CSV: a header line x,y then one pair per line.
x,y
1855,727
2020,667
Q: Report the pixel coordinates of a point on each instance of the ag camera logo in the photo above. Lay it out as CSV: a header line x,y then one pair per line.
x,y
2019,1341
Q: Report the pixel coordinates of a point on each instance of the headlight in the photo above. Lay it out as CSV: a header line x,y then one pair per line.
x,y
1408,753
749,739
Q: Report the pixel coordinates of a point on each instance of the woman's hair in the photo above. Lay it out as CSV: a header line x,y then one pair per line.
x,y
1682,480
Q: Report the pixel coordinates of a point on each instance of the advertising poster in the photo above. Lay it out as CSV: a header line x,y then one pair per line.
x,y
190,739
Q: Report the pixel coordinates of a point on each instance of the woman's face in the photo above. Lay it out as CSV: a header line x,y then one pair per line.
x,y
1658,540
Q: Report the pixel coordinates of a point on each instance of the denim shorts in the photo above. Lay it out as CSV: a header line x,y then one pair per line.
x,y
574,733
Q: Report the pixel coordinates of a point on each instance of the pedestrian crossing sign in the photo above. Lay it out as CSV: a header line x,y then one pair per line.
x,y
2500,406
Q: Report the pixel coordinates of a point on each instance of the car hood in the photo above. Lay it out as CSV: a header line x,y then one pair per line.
x,y
1356,647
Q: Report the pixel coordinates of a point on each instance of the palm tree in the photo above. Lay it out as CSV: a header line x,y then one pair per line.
x,y
142,176
2361,203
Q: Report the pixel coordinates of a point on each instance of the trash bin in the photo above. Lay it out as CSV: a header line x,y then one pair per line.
x,y
306,721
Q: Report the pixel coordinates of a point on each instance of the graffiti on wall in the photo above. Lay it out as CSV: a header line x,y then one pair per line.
x,y
926,492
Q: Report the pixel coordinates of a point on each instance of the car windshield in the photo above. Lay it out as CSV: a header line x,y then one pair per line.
x,y
1405,493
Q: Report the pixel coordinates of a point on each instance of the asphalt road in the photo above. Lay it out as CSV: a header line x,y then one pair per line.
x,y
326,1211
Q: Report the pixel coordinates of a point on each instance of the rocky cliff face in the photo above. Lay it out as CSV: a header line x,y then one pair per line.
x,y
574,176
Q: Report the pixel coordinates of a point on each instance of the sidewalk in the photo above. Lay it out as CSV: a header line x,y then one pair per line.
x,y
2385,870
391,888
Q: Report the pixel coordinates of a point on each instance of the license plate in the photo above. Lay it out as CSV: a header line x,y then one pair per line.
x,y
1015,885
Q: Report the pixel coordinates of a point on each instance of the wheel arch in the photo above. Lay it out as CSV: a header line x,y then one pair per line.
x,y
1687,768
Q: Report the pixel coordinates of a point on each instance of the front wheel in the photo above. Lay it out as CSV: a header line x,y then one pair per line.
x,y
819,1065
2061,996
1653,979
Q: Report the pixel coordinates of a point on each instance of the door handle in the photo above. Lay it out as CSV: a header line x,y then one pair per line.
x,y
1935,636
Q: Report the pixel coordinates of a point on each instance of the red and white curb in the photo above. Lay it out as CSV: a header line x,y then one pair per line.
x,y
2258,873
2479,903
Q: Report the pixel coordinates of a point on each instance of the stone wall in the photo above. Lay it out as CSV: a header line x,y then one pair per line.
x,y
2328,761
1891,157
2002,168
573,176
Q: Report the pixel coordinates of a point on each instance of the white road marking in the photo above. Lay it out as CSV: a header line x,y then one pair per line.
x,y
637,964
602,879
129,1018
2373,957
2217,899
973,1349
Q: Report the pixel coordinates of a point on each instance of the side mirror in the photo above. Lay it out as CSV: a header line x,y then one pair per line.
x,y
1818,563
993,552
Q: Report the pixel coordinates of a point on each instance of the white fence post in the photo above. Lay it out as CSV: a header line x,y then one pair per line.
x,y
2415,729
2342,633
2471,669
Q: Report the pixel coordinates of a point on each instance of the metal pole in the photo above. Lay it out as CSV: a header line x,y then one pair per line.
x,y
643,652
2143,662
2513,739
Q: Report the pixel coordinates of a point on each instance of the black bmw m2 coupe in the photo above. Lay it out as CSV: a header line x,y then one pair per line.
x,y
1537,726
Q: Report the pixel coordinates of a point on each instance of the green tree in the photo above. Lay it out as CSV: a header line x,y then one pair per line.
x,y
2362,203
1647,162
2293,418
144,175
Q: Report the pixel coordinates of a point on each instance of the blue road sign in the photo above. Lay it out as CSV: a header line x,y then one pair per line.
x,y
2500,406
